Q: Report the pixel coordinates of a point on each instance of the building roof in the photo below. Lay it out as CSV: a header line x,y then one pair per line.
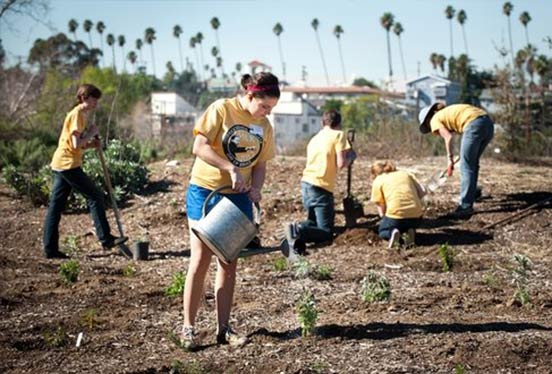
x,y
257,63
345,90
430,76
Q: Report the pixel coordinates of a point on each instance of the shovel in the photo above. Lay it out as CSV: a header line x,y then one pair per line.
x,y
352,208
439,178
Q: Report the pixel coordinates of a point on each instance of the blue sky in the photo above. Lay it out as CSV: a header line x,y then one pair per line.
x,y
246,32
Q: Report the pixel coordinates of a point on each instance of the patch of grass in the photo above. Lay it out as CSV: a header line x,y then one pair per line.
x,y
71,245
176,288
89,318
280,264
490,280
322,272
69,271
459,369
55,338
375,288
129,271
307,313
447,257
520,277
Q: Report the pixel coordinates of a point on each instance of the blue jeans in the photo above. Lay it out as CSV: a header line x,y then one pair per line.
x,y
64,182
319,205
477,135
387,225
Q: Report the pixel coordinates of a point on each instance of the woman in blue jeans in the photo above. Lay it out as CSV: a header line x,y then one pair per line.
x,y
477,130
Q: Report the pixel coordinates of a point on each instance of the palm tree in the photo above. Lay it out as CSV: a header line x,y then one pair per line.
x,y
139,43
193,42
121,40
461,17
177,30
441,59
507,10
525,18
449,13
87,26
277,30
215,24
132,58
149,37
542,68
218,61
100,27
434,59
111,42
239,67
386,22
398,30
315,24
199,41
73,26
338,30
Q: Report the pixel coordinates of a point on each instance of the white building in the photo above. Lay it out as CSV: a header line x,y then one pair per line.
x,y
429,89
171,113
294,119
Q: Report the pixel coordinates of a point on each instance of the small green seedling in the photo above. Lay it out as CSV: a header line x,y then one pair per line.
x,y
189,367
447,257
307,313
55,338
69,271
129,271
322,272
490,280
375,288
520,278
176,288
89,318
302,268
71,245
459,369
280,264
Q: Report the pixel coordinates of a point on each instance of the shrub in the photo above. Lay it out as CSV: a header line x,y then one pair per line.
x,y
55,338
307,313
375,288
176,288
520,278
129,271
71,245
447,257
302,268
69,271
322,272
280,264
89,318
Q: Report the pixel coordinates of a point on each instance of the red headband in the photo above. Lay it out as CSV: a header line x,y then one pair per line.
x,y
255,88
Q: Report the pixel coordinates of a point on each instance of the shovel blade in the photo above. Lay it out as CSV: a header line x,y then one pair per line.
x,y
353,210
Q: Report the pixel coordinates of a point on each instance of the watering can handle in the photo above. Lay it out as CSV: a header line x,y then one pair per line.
x,y
213,193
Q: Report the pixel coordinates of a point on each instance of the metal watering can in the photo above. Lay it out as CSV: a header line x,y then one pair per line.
x,y
225,230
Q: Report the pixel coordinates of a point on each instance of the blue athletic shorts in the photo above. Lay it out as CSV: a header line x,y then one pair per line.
x,y
195,197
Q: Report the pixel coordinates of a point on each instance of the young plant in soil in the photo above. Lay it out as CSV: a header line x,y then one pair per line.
x,y
69,271
89,318
302,268
55,338
375,288
71,245
280,264
447,257
176,288
520,278
190,367
307,313
322,272
129,271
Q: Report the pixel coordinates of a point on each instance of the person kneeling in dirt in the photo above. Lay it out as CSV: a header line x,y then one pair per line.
x,y
68,175
233,143
327,152
477,131
397,195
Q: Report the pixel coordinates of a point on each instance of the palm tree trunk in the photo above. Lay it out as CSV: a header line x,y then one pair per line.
x,y
201,59
113,54
199,67
389,57
90,39
342,62
450,34
124,59
526,35
511,44
465,40
101,46
220,52
282,58
152,59
180,53
402,59
322,57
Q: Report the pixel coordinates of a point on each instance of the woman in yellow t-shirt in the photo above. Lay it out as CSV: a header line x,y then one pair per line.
x,y
397,195
68,174
233,143
477,131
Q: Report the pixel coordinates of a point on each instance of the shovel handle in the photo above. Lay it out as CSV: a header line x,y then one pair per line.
x,y
351,136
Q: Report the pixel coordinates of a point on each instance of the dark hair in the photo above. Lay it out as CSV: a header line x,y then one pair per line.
x,y
260,85
331,118
87,90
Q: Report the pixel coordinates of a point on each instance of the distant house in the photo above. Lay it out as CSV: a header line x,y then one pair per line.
x,y
170,113
428,89
294,119
256,66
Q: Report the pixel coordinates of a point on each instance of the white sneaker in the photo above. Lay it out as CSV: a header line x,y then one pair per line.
x,y
394,239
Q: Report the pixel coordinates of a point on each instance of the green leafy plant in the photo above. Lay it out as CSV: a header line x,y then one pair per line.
x,y
55,338
280,264
176,287
188,367
322,272
89,318
447,257
71,245
459,369
490,280
307,313
375,288
302,268
520,277
129,271
69,271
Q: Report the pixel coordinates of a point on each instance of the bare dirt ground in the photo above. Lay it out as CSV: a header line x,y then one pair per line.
x,y
435,321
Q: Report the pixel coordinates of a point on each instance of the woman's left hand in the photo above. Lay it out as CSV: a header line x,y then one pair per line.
x,y
255,194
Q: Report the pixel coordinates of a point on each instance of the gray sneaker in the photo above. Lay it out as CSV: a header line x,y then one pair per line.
x,y
188,339
228,336
394,239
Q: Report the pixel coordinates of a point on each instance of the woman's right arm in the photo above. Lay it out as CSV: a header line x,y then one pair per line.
x,y
204,151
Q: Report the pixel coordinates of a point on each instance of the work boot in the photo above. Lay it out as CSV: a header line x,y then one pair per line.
x,y
228,336
114,241
461,213
394,239
188,339
478,193
55,254
410,238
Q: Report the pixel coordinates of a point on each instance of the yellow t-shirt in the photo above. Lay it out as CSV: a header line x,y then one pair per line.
x,y
397,190
455,117
66,157
321,168
236,136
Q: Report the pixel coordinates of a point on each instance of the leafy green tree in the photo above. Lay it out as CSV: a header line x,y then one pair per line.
x,y
315,24
332,104
387,22
507,10
364,82
449,13
278,30
358,114
73,25
110,39
461,17
122,41
177,31
139,44
471,81
100,27
193,43
441,59
434,60
398,30
525,18
132,57
87,26
170,75
149,37
338,30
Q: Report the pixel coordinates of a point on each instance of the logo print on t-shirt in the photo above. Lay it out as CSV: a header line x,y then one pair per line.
x,y
242,145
